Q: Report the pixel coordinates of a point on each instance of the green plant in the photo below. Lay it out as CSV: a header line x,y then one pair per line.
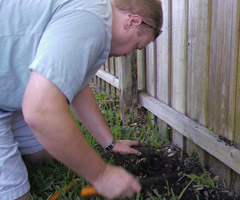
x,y
183,191
202,181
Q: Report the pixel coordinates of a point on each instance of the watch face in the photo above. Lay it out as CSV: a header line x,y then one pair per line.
x,y
110,147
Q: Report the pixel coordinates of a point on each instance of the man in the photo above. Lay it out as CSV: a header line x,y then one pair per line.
x,y
49,52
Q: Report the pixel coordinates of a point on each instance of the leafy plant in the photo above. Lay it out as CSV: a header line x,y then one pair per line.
x,y
202,181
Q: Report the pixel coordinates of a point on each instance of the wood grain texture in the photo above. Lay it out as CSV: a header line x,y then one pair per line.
x,y
197,67
163,62
163,59
151,69
128,86
222,73
178,70
237,100
109,78
141,70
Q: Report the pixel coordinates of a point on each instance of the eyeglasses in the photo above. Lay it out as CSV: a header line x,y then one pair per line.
x,y
157,32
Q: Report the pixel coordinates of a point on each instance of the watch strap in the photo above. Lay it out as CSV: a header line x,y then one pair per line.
x,y
111,145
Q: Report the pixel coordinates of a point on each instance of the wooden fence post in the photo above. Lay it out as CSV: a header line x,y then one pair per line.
x,y
128,86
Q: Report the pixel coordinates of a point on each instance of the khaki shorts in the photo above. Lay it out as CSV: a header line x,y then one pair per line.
x,y
16,139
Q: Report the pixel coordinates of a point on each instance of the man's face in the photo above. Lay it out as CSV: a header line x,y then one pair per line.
x,y
130,42
128,36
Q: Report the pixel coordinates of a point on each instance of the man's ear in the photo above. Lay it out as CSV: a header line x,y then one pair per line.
x,y
132,21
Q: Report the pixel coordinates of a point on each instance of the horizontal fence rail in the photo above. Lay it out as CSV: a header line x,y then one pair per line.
x,y
109,78
197,133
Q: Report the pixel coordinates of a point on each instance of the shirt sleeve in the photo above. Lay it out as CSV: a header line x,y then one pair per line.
x,y
71,47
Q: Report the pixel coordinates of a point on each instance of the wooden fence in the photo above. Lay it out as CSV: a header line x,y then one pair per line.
x,y
190,80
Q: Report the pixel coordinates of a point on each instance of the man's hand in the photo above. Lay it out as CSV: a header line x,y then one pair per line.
x,y
123,147
116,182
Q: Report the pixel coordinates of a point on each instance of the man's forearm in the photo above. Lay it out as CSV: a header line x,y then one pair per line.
x,y
68,145
46,112
87,110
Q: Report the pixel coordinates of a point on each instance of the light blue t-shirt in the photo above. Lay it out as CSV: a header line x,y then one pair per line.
x,y
64,40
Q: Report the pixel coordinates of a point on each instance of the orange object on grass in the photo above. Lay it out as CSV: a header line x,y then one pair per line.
x,y
57,195
85,192
88,191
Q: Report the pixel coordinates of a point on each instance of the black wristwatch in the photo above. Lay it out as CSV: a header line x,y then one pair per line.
x,y
111,145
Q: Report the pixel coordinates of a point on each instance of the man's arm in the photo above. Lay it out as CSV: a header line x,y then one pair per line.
x,y
87,110
46,112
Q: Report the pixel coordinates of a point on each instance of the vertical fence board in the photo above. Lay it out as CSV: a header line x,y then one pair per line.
x,y
163,54
163,61
128,86
101,82
141,70
237,101
197,67
222,67
111,71
107,69
114,70
151,71
117,69
237,121
179,14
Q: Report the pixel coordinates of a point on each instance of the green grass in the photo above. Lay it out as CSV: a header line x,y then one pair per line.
x,y
48,178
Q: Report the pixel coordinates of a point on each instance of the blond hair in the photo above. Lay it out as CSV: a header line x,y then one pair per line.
x,y
149,10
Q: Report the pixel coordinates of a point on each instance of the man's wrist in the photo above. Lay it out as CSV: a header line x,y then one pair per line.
x,y
110,146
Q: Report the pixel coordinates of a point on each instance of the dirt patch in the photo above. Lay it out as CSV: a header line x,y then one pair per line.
x,y
178,175
184,177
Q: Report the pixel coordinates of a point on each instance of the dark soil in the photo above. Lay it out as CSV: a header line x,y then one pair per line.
x,y
172,170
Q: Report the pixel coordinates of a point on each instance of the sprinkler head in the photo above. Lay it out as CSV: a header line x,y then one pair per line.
x,y
154,164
